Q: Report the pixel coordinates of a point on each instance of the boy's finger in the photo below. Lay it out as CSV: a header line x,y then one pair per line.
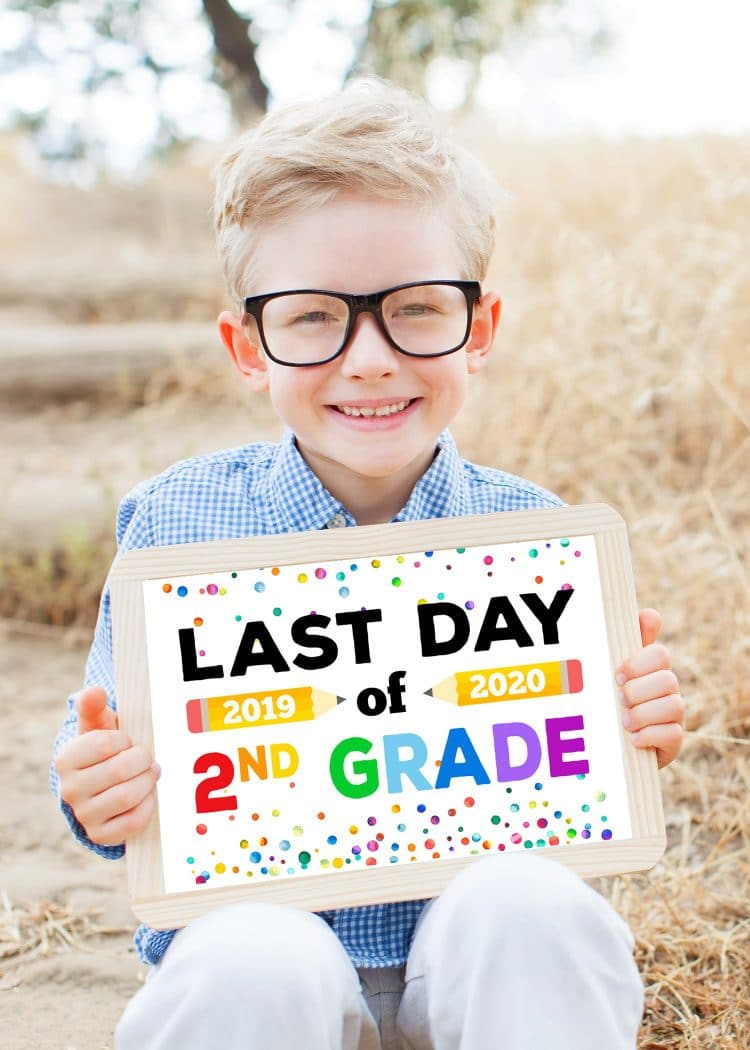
x,y
90,749
116,800
114,832
667,710
93,711
666,739
649,621
655,657
116,769
651,686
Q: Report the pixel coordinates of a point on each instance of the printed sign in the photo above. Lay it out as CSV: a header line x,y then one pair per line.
x,y
356,723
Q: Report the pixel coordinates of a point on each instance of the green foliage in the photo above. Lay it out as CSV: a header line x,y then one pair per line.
x,y
109,45
404,37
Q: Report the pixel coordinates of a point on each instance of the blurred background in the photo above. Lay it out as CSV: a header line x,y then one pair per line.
x,y
619,133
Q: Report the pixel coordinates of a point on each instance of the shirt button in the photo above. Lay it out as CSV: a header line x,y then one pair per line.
x,y
338,521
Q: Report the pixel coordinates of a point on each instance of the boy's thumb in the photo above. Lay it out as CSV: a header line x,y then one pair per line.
x,y
93,712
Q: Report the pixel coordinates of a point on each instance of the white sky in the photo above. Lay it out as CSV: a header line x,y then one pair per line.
x,y
675,66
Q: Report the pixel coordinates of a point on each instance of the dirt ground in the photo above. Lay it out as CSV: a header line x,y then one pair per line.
x,y
68,991
68,999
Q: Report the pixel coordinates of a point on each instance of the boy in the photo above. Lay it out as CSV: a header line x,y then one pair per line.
x,y
353,237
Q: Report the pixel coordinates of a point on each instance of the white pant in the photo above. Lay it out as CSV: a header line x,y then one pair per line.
x,y
517,953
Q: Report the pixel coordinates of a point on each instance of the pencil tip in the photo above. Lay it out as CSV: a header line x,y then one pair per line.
x,y
428,692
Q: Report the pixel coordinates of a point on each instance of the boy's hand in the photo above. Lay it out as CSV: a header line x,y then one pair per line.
x,y
653,710
108,783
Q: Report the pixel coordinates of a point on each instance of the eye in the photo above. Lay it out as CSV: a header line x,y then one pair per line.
x,y
313,317
415,309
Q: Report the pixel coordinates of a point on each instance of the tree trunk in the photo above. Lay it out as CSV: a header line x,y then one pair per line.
x,y
236,51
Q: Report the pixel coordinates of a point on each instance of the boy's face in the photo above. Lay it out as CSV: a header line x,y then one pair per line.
x,y
360,246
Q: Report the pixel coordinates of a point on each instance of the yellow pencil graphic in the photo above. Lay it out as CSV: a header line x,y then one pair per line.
x,y
265,708
496,684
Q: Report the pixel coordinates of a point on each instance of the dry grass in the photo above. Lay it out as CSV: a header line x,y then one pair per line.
x,y
59,586
29,932
622,375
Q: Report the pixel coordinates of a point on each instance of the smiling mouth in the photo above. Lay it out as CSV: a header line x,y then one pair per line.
x,y
391,409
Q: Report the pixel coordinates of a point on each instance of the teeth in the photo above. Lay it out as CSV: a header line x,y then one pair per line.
x,y
384,410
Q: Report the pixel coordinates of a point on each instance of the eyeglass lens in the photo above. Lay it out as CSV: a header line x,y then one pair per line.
x,y
305,327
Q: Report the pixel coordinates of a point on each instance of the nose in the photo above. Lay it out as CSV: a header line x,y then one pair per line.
x,y
368,355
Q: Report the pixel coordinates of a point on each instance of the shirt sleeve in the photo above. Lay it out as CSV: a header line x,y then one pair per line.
x,y
133,531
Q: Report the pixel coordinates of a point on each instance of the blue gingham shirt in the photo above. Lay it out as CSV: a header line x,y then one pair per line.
x,y
257,490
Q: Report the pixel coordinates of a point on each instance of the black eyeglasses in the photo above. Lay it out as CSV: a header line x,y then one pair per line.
x,y
312,326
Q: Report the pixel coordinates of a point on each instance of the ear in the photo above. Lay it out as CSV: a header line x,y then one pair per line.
x,y
484,326
245,350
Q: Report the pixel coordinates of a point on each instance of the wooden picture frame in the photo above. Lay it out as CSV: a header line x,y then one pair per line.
x,y
556,654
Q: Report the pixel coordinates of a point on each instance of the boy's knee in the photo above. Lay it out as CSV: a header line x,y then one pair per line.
x,y
252,943
529,897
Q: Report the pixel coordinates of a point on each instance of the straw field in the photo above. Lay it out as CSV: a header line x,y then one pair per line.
x,y
621,375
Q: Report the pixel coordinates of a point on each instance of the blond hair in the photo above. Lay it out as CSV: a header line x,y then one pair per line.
x,y
371,139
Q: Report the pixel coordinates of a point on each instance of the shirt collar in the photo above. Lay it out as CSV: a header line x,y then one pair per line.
x,y
439,493
303,503
301,500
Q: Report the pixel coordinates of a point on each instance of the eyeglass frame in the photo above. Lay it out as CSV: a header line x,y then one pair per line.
x,y
371,303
